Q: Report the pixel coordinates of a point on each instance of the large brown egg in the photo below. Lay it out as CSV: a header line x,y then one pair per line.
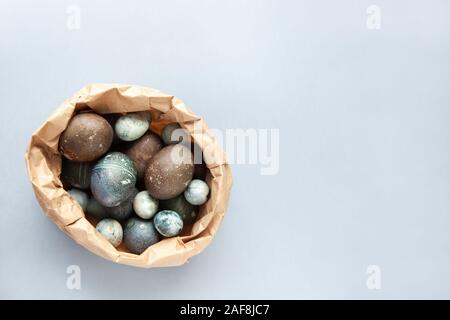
x,y
143,150
169,172
87,137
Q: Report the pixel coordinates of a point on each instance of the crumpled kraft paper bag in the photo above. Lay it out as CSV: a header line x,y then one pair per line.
x,y
44,168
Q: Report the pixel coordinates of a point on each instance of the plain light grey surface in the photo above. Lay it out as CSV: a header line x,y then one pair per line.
x,y
364,154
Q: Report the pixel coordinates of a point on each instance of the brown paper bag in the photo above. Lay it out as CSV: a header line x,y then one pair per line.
x,y
44,168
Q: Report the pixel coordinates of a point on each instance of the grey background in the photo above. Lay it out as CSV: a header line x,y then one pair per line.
x,y
364,155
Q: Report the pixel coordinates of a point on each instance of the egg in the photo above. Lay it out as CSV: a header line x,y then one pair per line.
x,y
168,223
111,230
145,206
76,174
169,172
95,209
87,137
113,179
124,209
143,150
173,133
179,204
139,234
80,197
133,125
196,192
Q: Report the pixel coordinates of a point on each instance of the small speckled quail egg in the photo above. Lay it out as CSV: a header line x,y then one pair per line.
x,y
196,192
145,206
111,230
132,126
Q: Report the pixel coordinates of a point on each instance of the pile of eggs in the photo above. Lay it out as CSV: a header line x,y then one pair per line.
x,y
137,186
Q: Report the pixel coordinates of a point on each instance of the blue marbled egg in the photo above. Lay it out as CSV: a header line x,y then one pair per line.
x,y
80,197
113,179
123,210
139,234
168,223
96,210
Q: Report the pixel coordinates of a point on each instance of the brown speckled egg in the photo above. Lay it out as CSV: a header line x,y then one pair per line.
x,y
169,172
87,137
143,150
